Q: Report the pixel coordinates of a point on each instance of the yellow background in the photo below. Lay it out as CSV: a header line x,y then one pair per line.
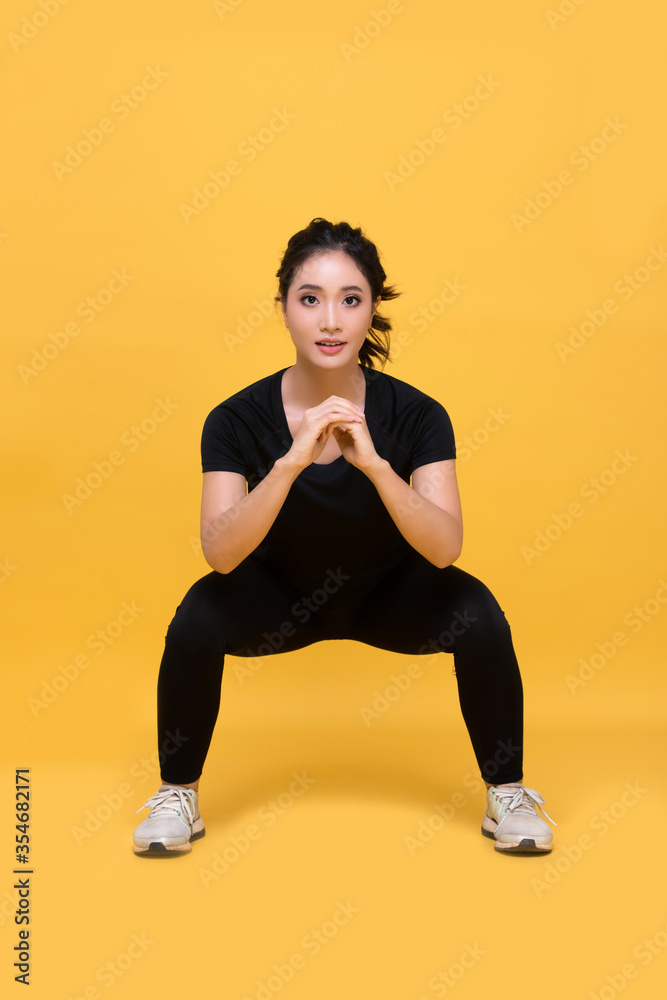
x,y
360,98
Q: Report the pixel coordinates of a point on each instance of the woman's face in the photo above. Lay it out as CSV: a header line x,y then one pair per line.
x,y
329,299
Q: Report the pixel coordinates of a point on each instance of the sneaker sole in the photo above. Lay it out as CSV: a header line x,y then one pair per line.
x,y
157,849
525,846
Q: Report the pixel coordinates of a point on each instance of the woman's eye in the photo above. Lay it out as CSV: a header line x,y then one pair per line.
x,y
355,298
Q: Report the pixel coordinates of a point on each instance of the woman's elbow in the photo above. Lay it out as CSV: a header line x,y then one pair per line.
x,y
216,561
448,558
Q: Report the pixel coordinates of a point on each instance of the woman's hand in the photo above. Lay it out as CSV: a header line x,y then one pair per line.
x,y
355,443
345,420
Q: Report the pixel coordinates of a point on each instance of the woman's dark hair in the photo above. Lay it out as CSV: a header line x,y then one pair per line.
x,y
321,236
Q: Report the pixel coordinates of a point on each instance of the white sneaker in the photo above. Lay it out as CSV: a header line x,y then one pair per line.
x,y
172,824
512,821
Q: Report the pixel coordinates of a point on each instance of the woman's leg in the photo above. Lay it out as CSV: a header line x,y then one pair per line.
x,y
248,612
420,609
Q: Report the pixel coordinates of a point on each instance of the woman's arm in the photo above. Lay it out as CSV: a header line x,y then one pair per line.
x,y
233,522
428,513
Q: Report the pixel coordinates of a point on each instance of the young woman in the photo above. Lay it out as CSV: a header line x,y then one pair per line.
x,y
331,541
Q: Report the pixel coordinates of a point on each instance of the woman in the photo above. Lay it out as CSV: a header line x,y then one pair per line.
x,y
331,541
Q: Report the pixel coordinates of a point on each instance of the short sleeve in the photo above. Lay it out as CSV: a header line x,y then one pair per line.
x,y
220,451
434,437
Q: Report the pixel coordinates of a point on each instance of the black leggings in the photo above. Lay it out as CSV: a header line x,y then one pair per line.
x,y
415,609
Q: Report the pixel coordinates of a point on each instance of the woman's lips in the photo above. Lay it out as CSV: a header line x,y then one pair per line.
x,y
329,348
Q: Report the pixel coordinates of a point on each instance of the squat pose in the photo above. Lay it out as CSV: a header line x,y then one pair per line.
x,y
314,531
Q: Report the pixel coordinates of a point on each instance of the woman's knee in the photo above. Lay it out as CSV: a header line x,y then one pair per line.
x,y
477,598
475,614
199,618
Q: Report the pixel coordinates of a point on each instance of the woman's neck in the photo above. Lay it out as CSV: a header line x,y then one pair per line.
x,y
309,385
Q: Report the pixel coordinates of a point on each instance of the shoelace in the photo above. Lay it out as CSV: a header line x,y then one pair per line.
x,y
519,800
160,806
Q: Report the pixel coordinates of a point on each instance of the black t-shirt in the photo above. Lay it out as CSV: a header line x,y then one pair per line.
x,y
332,520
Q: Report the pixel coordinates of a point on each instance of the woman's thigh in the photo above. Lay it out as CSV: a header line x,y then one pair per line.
x,y
251,611
420,609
